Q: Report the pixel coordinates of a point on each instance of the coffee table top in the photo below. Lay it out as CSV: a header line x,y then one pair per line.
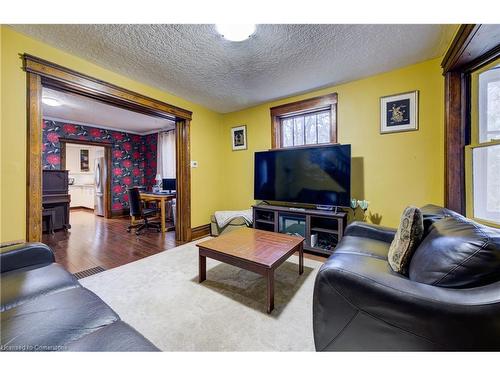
x,y
259,246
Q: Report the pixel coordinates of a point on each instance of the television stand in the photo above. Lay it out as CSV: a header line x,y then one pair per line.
x,y
321,229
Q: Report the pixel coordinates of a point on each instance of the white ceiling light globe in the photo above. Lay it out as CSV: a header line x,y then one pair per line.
x,y
51,102
235,33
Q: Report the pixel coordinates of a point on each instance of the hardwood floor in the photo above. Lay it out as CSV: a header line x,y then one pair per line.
x,y
95,241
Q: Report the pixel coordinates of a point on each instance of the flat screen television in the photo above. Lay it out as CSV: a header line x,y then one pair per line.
x,y
310,175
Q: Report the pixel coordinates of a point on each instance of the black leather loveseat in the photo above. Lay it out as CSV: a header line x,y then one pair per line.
x,y
449,301
44,308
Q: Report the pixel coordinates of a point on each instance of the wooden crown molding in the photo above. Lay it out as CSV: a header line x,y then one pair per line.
x,y
318,102
62,77
473,46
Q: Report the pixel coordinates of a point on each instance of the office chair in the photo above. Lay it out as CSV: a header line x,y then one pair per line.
x,y
137,211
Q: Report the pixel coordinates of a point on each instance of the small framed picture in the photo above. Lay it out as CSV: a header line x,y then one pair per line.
x,y
399,113
239,137
84,161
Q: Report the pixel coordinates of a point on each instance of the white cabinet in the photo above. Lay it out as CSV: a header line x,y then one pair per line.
x,y
82,196
88,196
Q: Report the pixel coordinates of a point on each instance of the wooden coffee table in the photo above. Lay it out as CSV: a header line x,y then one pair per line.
x,y
253,250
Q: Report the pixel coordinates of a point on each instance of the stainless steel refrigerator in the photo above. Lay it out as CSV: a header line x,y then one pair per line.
x,y
100,175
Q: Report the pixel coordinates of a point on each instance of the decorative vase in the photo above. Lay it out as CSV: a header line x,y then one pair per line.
x,y
354,203
363,204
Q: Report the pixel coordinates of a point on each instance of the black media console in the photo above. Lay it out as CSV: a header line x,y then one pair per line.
x,y
321,229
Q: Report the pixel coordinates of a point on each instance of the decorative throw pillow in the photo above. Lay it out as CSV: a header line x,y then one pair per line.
x,y
406,240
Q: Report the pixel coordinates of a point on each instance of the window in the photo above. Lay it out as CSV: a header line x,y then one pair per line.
x,y
306,129
308,122
489,105
486,145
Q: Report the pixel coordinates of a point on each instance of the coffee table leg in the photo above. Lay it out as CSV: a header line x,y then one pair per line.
x,y
301,259
202,272
270,291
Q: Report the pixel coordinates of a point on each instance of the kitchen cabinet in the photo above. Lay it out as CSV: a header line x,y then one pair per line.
x,y
82,196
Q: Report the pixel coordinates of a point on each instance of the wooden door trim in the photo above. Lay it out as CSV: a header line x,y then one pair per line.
x,y
183,175
472,47
34,159
42,73
107,156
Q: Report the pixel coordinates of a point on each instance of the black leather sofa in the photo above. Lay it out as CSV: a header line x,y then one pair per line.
x,y
450,300
44,308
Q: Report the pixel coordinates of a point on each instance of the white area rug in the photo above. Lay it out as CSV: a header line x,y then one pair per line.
x,y
160,296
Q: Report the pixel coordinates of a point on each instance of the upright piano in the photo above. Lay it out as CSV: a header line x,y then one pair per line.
x,y
55,197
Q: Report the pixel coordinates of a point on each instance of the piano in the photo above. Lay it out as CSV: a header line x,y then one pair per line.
x,y
55,197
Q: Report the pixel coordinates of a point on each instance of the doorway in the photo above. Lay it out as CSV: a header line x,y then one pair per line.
x,y
89,175
44,74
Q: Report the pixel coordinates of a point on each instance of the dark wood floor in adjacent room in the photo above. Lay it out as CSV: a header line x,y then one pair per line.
x,y
94,241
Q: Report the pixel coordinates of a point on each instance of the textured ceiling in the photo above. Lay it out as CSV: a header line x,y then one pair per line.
x,y
196,63
81,110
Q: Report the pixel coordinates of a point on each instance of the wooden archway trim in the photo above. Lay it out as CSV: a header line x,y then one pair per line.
x,y
70,80
42,73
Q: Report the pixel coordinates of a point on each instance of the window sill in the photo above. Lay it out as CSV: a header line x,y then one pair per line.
x,y
486,222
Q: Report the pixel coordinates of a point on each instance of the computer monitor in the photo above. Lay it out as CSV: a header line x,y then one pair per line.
x,y
168,184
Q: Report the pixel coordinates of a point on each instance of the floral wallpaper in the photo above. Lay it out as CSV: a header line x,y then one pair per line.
x,y
133,157
150,145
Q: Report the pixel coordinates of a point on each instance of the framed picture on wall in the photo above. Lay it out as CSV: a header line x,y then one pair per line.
x,y
84,161
399,112
239,137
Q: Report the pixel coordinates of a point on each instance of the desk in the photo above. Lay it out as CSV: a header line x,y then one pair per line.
x,y
162,200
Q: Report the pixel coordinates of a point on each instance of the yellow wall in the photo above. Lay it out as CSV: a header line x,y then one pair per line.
x,y
391,170
205,132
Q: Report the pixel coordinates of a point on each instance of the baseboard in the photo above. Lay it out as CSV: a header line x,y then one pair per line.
x,y
81,208
120,213
10,243
200,232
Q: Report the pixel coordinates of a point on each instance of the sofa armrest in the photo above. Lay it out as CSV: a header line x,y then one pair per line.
x,y
359,303
25,255
375,232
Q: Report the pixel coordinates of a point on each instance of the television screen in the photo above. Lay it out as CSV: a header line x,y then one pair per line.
x,y
312,175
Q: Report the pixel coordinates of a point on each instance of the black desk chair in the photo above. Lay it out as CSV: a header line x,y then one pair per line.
x,y
137,211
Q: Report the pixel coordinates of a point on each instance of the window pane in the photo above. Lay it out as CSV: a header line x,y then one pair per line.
x,y
299,131
307,129
287,132
489,105
486,183
324,127
310,123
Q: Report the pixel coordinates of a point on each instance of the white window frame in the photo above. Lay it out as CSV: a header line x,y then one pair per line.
x,y
477,204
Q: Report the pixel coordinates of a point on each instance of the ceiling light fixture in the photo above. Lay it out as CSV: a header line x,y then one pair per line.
x,y
51,102
235,33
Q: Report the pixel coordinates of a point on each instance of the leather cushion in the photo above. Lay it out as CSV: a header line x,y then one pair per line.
x,y
24,285
116,337
406,240
25,255
51,322
457,253
373,231
362,246
432,213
